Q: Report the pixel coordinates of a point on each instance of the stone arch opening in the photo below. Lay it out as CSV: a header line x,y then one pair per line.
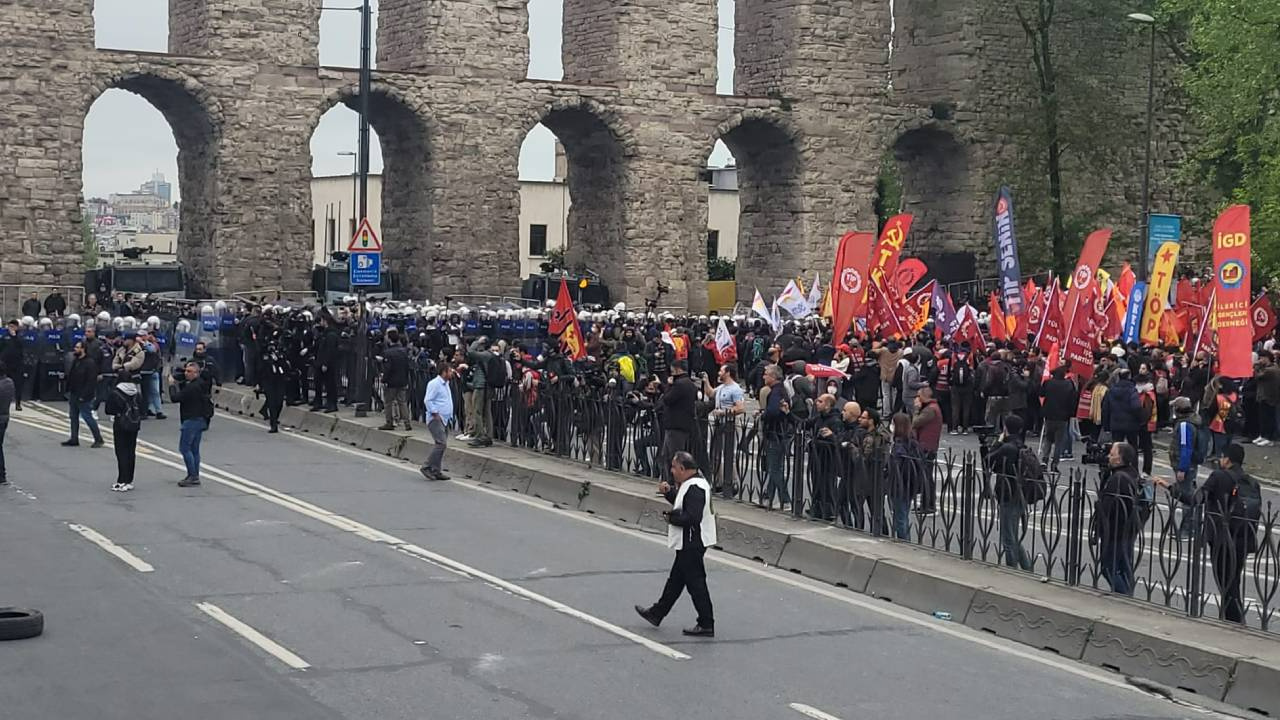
x,y
191,197
928,172
141,25
399,203
339,35
589,188
770,220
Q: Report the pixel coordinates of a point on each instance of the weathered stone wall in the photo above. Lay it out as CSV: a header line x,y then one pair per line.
x,y
637,116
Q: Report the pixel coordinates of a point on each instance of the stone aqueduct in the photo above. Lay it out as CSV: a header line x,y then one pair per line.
x,y
636,113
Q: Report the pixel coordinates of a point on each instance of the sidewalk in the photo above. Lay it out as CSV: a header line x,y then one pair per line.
x,y
1240,667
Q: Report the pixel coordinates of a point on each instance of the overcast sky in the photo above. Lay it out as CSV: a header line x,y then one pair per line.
x,y
126,139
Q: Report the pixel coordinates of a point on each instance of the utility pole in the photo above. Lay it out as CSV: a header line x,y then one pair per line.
x,y
362,379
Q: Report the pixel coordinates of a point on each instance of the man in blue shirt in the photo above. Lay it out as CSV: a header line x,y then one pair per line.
x,y
439,404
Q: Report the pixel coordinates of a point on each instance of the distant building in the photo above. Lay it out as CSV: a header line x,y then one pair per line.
x,y
159,187
544,213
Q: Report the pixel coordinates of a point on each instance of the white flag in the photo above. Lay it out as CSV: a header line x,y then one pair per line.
x,y
793,301
724,340
815,293
759,308
775,318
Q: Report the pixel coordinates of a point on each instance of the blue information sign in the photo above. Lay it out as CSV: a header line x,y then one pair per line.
x,y
1160,230
366,268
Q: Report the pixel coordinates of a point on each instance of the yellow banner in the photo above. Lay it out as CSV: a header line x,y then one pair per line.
x,y
1158,292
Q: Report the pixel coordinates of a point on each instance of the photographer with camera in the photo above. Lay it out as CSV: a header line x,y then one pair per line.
x,y
1116,518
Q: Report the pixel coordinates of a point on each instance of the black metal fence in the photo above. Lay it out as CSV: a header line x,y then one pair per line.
x,y
1071,530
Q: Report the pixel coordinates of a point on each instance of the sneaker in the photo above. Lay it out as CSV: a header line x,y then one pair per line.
x,y
126,487
189,482
70,443
1266,443
408,427
116,487
462,437
954,432
161,416
699,631
97,444
964,431
4,480
1258,440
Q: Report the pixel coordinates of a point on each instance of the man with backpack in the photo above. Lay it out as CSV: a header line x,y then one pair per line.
x,y
1186,453
124,406
1232,502
1012,463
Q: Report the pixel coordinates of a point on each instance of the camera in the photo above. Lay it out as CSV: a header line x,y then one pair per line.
x,y
1096,453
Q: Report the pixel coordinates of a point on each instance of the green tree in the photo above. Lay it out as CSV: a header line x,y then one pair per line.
x,y
1231,73
88,243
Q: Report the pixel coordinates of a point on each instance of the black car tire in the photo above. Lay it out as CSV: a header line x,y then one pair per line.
x,y
20,623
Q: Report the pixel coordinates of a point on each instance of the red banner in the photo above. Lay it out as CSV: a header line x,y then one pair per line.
x,y
1080,337
892,238
849,286
909,272
1126,282
1050,334
1083,280
919,302
564,322
995,319
969,329
1263,317
1232,282
885,310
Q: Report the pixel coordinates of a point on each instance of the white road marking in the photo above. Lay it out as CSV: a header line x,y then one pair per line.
x,y
264,643
372,534
813,712
113,549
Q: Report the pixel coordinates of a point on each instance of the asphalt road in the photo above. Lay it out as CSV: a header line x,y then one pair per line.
x,y
308,581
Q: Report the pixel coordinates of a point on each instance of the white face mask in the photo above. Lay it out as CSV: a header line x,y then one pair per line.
x,y
831,389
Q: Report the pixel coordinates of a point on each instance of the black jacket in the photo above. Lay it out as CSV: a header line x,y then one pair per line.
x,y
1060,399
31,307
12,352
82,379
689,516
395,367
1122,408
327,347
193,400
677,406
1005,464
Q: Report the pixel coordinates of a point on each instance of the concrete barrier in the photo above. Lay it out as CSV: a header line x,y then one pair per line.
x,y
614,504
505,476
553,488
1166,661
1256,687
251,405
1029,622
828,562
318,423
750,541
292,416
383,442
915,589
349,432
414,450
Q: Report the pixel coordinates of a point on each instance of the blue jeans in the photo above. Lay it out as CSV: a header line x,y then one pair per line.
x,y
153,392
901,508
78,411
189,444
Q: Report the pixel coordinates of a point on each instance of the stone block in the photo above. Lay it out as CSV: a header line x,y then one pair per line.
x,y
349,432
559,490
1164,660
1256,687
292,416
750,541
415,450
917,590
1029,623
828,563
316,423
383,442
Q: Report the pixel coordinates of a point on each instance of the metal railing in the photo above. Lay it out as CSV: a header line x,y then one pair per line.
x,y
13,296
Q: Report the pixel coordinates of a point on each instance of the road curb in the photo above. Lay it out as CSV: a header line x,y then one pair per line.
x,y
1124,636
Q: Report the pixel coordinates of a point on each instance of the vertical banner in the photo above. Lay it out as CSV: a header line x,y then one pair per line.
x,y
1263,317
1007,254
1050,335
892,238
919,302
1095,246
1158,291
1133,317
1161,229
944,313
1231,244
564,322
1080,336
1204,333
849,282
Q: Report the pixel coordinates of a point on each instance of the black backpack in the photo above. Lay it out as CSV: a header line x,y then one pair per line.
x,y
1031,474
129,419
1233,422
996,381
1245,502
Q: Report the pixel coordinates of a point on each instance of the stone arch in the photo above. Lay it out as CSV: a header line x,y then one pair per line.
x,y
767,149
196,118
403,129
597,148
934,167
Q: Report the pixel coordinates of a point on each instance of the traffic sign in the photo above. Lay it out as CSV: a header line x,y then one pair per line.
x,y
366,268
365,240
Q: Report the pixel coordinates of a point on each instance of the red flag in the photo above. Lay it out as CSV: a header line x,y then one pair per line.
x,y
995,321
1169,333
1231,243
1204,333
1050,334
884,310
849,287
1082,280
564,322
909,272
1183,320
1030,291
1184,294
892,238
1080,337
969,329
919,302
1264,318
1126,281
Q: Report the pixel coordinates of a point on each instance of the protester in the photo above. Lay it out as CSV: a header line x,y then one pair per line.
x,y
13,356
195,411
1006,464
125,408
82,388
439,413
1061,403
1115,523
395,382
776,425
7,397
729,402
926,427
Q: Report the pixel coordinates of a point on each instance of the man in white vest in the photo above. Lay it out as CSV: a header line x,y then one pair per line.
x,y
691,530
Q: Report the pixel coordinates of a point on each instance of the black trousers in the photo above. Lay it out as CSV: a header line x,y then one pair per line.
x,y
273,387
126,444
673,441
688,571
326,388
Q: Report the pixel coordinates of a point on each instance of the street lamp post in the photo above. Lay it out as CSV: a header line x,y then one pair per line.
x,y
1143,240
